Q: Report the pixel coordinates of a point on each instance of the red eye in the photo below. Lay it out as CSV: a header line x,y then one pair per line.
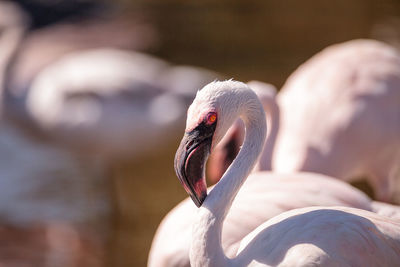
x,y
211,118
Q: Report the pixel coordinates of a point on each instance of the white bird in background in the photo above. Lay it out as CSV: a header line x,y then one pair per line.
x,y
340,116
261,197
110,102
105,102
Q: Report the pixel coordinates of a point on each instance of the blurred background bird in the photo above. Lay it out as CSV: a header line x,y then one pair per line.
x,y
94,97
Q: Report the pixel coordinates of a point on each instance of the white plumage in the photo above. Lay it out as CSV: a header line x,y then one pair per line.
x,y
340,116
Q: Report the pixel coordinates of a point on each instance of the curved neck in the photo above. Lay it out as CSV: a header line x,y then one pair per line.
x,y
272,112
206,248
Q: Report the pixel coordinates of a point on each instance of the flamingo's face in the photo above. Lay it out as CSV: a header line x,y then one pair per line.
x,y
192,154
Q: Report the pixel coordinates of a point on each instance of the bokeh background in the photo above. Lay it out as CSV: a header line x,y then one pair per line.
x,y
63,199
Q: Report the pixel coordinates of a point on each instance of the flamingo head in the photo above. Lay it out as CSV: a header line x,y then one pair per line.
x,y
213,110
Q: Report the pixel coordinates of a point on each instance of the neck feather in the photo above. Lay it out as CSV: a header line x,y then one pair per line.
x,y
206,246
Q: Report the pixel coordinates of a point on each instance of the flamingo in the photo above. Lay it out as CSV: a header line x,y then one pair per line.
x,y
102,100
300,235
261,197
347,123
105,99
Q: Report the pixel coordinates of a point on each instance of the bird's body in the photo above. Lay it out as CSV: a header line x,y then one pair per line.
x,y
209,117
322,236
340,116
263,196
104,99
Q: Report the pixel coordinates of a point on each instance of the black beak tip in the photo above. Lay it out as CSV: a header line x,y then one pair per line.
x,y
198,200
